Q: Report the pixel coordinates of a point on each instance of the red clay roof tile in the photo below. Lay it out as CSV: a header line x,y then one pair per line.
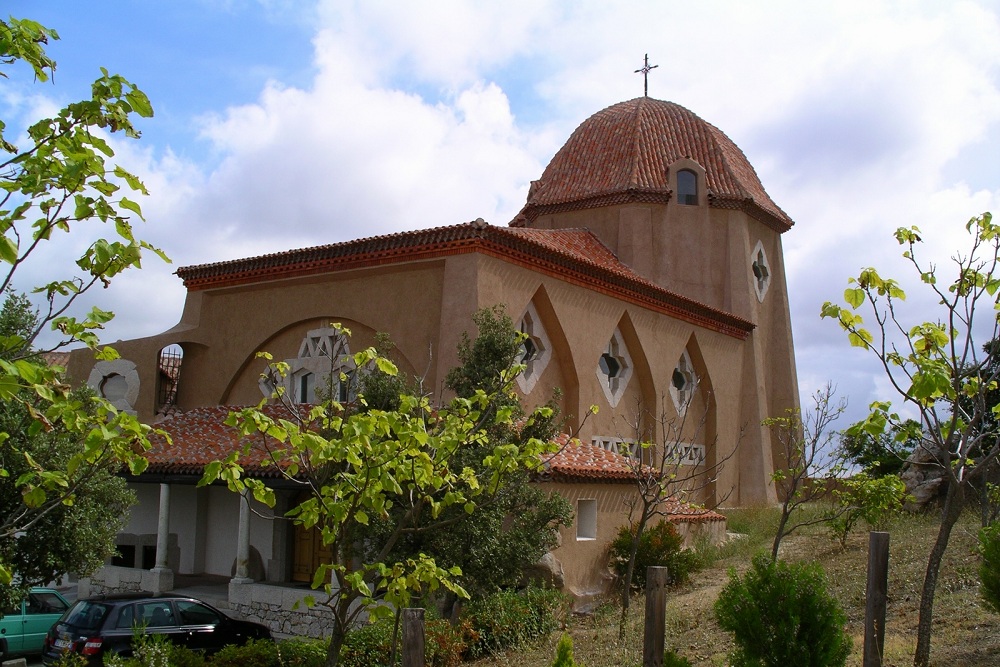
x,y
574,255
623,152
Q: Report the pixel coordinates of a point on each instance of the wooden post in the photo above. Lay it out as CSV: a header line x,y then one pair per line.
x,y
875,596
413,638
656,616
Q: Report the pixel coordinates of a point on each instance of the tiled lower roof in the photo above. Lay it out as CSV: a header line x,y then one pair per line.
x,y
581,462
573,255
199,436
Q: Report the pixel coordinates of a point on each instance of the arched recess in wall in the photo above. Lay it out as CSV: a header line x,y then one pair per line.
x,y
171,359
560,363
644,399
169,364
287,342
692,397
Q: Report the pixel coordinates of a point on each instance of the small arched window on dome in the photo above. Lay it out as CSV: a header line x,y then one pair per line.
x,y
687,187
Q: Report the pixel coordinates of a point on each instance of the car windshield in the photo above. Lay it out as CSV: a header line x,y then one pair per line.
x,y
86,615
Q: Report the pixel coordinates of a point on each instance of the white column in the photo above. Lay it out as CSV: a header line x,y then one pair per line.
x,y
243,542
163,529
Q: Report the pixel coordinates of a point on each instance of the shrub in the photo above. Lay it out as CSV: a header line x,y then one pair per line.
x,y
302,652
660,545
255,653
564,653
989,569
874,500
371,645
781,614
512,618
671,659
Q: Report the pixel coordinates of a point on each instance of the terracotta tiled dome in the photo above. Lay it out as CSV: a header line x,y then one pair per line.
x,y
622,154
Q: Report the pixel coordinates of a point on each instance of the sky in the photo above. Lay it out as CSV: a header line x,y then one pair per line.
x,y
289,123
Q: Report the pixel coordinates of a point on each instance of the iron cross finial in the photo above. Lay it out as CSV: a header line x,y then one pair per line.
x,y
646,68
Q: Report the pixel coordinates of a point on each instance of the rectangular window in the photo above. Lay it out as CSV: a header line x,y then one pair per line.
x,y
586,519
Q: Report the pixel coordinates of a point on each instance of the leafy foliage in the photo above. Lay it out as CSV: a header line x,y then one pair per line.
x,y
937,369
62,181
519,523
989,569
660,545
781,614
564,653
510,618
371,645
671,659
75,536
374,478
883,454
874,500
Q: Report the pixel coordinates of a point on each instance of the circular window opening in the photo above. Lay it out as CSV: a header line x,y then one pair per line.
x,y
114,387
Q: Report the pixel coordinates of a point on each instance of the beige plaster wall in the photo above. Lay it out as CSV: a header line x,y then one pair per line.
x,y
585,562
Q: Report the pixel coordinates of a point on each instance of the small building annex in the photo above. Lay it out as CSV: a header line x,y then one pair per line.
x,y
645,268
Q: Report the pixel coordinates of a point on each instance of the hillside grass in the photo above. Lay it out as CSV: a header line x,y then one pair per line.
x,y
966,634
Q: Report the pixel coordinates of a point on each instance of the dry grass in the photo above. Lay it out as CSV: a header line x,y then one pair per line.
x,y
965,633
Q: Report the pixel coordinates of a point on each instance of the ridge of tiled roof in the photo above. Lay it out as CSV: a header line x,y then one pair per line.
x,y
621,154
576,256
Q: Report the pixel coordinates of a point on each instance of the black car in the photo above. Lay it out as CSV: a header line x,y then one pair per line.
x,y
105,624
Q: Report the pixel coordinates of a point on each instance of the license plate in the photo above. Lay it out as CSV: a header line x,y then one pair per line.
x,y
62,643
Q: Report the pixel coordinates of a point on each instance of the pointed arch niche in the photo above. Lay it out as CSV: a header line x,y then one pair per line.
x,y
693,399
552,366
536,349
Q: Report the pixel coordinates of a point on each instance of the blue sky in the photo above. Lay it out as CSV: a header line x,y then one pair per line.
x,y
283,123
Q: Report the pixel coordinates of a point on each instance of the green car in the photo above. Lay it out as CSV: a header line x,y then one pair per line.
x,y
22,630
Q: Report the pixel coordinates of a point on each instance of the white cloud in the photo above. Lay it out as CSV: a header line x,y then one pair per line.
x,y
859,117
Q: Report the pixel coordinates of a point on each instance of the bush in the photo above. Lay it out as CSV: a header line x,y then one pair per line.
x,y
660,545
371,645
781,614
874,500
989,569
511,618
564,653
255,653
302,652
671,659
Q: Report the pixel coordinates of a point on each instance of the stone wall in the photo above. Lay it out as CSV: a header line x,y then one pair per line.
x,y
116,579
283,610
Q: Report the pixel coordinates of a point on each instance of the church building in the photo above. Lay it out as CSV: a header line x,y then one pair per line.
x,y
645,269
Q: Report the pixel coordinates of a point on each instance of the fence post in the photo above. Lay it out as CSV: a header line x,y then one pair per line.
x,y
413,637
656,616
875,597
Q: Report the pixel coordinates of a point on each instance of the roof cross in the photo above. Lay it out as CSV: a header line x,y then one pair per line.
x,y
646,68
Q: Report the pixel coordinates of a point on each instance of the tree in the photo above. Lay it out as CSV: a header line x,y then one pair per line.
x,y
664,476
936,369
61,182
810,462
72,537
879,455
520,522
355,465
